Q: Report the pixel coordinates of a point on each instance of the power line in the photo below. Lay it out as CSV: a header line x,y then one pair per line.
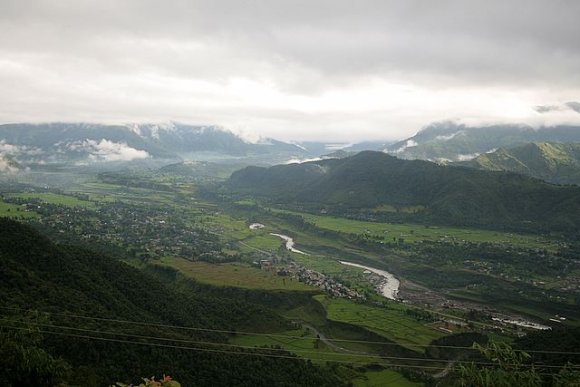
x,y
201,349
260,348
264,334
225,351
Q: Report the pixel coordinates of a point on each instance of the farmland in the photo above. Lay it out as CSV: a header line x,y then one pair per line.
x,y
15,211
417,233
57,199
233,274
390,321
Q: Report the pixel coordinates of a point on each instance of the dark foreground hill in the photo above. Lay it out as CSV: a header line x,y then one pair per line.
x,y
419,190
69,282
554,162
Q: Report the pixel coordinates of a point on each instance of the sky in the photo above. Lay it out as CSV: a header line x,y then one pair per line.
x,y
293,70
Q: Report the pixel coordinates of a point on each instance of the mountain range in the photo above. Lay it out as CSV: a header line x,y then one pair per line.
x,y
449,141
42,146
81,143
374,181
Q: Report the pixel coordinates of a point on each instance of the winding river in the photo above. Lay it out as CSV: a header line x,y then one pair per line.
x,y
289,243
389,287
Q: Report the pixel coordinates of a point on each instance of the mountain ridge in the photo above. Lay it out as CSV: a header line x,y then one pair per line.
x,y
557,163
449,141
445,194
39,144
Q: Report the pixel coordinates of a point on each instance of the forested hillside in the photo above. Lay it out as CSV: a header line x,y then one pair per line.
x,y
107,321
385,186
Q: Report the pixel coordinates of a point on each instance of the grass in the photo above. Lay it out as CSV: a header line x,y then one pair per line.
x,y
52,198
262,241
304,343
391,323
384,377
10,210
234,275
417,233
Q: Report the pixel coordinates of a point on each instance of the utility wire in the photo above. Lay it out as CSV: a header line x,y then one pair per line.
x,y
223,351
259,348
261,334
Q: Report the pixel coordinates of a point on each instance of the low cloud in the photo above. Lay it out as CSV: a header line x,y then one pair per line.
x,y
408,144
300,161
574,106
106,150
467,157
17,150
8,148
547,108
449,137
7,166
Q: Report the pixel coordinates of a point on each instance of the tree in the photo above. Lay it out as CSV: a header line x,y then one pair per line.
x,y
505,368
23,362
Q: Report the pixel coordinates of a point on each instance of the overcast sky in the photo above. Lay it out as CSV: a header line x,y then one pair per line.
x,y
341,70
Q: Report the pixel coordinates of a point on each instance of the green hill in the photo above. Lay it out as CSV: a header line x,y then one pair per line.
x,y
100,347
554,162
443,194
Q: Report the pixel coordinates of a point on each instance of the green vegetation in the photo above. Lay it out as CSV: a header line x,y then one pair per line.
x,y
68,282
384,378
505,367
235,274
554,162
419,232
10,210
443,195
52,198
194,246
390,321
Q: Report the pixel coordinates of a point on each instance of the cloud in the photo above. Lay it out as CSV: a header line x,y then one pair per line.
x,y
408,144
467,157
290,69
547,108
8,148
307,160
105,150
574,106
7,166
17,150
449,137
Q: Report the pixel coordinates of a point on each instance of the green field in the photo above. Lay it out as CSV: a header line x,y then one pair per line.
x,y
235,275
391,323
304,343
10,210
52,198
418,233
385,377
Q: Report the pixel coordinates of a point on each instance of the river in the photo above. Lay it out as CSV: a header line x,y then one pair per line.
x,y
389,287
289,243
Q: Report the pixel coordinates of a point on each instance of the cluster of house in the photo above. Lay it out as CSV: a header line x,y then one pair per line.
x,y
156,231
324,282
